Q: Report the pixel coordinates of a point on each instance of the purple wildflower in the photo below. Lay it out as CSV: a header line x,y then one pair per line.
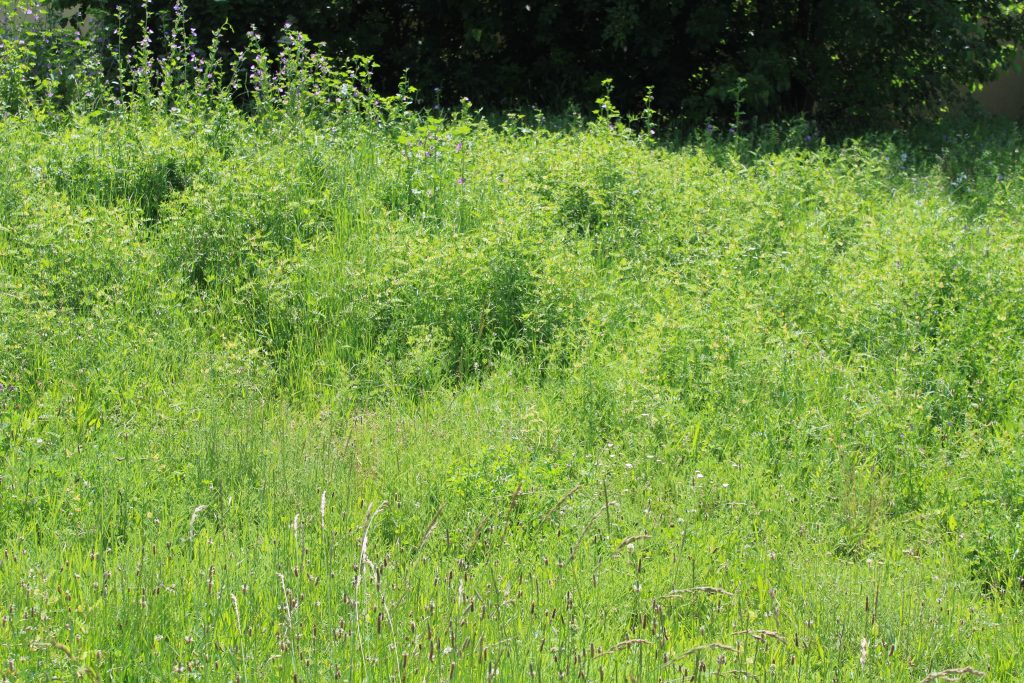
x,y
461,181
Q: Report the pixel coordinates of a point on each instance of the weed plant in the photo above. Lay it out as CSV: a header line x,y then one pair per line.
x,y
303,384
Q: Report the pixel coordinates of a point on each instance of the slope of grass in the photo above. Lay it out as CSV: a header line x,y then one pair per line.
x,y
293,397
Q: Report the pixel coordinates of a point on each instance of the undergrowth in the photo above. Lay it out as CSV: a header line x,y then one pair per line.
x,y
307,384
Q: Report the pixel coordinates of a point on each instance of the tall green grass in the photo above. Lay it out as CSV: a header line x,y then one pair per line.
x,y
327,389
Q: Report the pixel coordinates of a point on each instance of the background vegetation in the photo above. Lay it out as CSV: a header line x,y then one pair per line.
x,y
854,63
331,389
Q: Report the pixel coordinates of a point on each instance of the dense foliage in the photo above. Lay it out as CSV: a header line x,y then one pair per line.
x,y
328,389
857,61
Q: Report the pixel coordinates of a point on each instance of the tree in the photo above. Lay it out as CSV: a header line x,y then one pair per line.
x,y
856,61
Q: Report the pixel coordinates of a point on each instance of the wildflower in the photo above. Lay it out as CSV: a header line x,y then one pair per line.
x,y
458,147
709,129
461,181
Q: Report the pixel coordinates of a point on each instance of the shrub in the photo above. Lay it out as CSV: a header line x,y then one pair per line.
x,y
413,310
865,61
74,258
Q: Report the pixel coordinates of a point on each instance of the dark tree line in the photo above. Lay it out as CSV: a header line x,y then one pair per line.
x,y
835,60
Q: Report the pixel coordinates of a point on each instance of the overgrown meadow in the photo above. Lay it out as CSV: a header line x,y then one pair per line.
x,y
299,383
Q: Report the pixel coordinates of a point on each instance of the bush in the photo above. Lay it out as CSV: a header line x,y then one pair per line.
x,y
864,61
74,258
414,310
